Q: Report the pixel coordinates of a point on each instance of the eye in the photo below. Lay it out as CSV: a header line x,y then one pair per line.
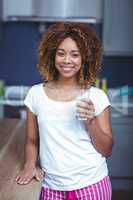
x,y
60,53
75,55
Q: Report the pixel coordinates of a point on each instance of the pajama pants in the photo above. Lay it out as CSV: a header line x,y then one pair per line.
x,y
99,191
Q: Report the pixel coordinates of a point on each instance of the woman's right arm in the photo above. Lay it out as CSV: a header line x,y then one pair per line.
x,y
30,169
32,138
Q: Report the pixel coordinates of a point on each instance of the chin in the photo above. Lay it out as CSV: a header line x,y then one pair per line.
x,y
67,75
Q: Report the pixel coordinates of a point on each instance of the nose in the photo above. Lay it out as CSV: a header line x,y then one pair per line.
x,y
67,59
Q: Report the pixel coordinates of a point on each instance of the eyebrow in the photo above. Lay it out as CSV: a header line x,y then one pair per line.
x,y
72,50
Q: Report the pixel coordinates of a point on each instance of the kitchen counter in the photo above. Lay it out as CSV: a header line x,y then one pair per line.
x,y
12,137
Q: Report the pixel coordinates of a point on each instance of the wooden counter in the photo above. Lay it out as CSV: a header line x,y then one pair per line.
x,y
12,137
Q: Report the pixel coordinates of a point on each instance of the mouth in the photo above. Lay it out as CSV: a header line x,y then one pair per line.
x,y
67,69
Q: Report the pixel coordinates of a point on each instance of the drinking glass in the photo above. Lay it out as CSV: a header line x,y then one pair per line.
x,y
84,95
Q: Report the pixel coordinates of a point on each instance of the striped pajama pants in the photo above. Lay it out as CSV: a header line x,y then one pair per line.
x,y
99,191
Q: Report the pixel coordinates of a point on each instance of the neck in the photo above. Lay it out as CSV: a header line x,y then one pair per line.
x,y
67,83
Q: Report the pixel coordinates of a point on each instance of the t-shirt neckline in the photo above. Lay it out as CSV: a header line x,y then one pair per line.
x,y
55,101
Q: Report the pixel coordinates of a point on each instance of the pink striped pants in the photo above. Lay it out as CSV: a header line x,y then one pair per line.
x,y
101,190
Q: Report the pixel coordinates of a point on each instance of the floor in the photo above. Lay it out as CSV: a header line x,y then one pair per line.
x,y
122,195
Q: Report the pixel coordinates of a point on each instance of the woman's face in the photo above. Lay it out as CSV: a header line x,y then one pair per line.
x,y
68,59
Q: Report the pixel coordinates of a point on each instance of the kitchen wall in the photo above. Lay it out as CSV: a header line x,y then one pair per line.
x,y
18,57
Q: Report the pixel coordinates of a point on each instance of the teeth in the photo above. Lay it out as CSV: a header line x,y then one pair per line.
x,y
67,68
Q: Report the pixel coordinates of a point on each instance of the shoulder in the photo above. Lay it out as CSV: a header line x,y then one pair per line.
x,y
35,91
33,96
97,92
35,88
99,98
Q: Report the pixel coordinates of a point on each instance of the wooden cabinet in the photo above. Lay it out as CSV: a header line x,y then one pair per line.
x,y
12,138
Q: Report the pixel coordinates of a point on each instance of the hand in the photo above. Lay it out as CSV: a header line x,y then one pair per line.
x,y
28,173
85,109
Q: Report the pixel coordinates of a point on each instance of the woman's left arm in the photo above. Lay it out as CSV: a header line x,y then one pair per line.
x,y
100,132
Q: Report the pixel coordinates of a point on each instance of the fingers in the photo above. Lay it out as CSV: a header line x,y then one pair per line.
x,y
24,177
39,174
85,116
85,104
88,114
86,101
85,109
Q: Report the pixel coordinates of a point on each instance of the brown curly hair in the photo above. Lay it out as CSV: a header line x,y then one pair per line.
x,y
87,41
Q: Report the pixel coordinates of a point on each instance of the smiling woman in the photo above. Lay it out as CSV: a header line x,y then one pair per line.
x,y
72,152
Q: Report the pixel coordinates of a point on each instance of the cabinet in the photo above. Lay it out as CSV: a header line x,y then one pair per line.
x,y
118,28
70,9
121,162
1,3
18,8
12,139
53,10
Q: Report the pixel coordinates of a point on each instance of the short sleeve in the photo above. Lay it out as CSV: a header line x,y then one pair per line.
x,y
30,101
100,100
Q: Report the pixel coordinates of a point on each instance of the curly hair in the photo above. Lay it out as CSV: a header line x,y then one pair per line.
x,y
88,43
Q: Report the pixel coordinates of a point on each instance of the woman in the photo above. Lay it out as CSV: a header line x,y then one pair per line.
x,y
72,152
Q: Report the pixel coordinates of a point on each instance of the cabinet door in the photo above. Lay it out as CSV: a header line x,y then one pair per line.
x,y
118,27
18,8
121,161
76,9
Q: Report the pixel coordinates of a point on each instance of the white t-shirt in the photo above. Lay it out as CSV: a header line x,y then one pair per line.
x,y
67,155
